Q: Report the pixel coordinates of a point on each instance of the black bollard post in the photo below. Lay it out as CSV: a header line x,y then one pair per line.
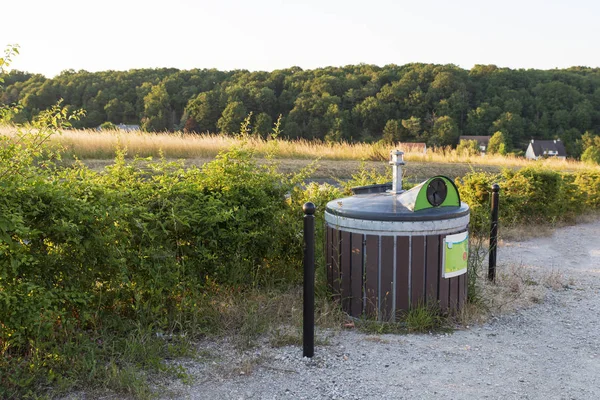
x,y
308,337
494,233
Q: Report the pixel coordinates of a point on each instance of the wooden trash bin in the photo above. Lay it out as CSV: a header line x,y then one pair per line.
x,y
389,252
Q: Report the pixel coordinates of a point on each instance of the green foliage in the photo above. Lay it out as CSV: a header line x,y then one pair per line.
x,y
233,115
276,131
468,147
591,155
391,132
108,126
423,319
85,252
9,53
445,132
262,125
157,111
531,194
412,127
497,144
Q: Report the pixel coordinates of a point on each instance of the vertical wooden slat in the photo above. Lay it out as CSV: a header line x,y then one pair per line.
x,y
462,290
387,276
346,267
417,271
372,275
402,265
432,268
356,275
328,257
453,296
444,283
335,262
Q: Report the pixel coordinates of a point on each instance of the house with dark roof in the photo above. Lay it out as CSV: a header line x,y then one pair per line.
x,y
545,149
482,141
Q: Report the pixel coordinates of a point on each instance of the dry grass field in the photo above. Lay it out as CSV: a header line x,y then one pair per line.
x,y
338,160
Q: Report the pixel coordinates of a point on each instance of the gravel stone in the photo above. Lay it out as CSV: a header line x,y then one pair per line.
x,y
548,351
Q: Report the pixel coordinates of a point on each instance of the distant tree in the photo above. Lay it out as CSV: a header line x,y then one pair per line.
x,y
391,132
108,126
190,125
262,125
231,118
157,112
352,103
591,155
291,129
445,132
480,119
114,111
512,128
204,111
497,144
591,145
412,128
468,147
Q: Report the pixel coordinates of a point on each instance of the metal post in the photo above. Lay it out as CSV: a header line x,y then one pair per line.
x,y
396,161
308,337
494,233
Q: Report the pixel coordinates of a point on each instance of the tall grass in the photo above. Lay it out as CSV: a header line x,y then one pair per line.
x,y
90,144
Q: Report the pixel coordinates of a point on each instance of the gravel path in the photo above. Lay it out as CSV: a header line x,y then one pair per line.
x,y
548,351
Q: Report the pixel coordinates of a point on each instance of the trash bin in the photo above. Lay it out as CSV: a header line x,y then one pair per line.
x,y
390,251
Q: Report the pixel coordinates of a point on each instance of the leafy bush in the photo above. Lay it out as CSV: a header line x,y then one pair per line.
x,y
531,195
80,249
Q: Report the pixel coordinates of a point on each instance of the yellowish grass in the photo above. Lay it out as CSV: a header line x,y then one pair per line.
x,y
91,144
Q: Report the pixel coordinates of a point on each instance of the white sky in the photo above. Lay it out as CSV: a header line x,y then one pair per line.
x,y
55,35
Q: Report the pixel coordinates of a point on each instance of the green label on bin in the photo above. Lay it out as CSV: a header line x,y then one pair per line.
x,y
456,254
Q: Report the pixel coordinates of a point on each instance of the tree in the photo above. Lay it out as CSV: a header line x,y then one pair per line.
x,y
497,144
262,125
591,155
412,128
391,132
231,118
204,111
445,131
157,112
468,147
511,126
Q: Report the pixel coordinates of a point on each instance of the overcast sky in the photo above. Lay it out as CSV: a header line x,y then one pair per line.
x,y
273,34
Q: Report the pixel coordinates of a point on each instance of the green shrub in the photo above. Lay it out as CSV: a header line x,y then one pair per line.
x,y
81,251
530,195
588,185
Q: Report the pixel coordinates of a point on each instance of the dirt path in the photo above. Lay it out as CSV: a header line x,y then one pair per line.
x,y
548,351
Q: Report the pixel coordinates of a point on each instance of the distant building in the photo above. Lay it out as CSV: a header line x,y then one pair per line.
x,y
128,128
482,142
122,127
409,147
545,148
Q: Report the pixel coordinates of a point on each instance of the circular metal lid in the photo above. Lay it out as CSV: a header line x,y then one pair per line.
x,y
390,207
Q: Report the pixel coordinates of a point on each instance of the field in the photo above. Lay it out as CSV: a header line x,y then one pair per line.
x,y
339,160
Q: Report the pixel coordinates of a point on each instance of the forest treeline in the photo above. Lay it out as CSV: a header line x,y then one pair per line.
x,y
414,102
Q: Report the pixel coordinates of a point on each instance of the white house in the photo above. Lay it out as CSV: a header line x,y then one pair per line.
x,y
545,149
